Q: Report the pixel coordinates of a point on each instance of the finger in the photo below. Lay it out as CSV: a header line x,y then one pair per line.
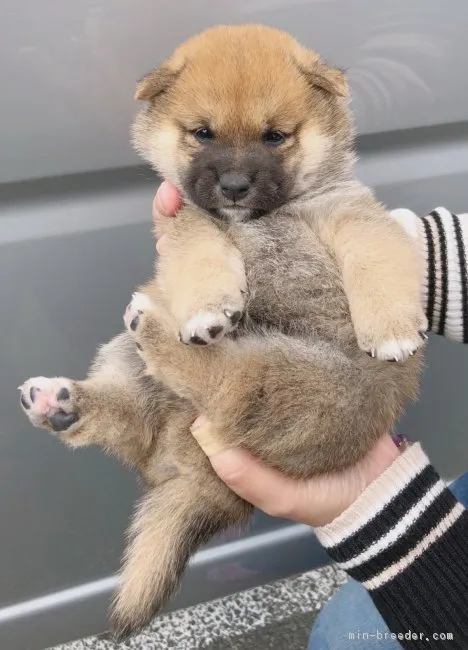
x,y
167,201
205,435
258,484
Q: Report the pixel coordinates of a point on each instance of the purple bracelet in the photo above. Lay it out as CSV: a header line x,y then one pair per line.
x,y
401,441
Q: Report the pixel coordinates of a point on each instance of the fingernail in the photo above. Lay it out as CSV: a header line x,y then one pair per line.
x,y
201,421
206,437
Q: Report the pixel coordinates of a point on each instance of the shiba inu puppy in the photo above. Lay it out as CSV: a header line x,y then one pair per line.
x,y
285,291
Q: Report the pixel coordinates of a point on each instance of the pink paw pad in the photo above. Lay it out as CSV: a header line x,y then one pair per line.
x,y
47,401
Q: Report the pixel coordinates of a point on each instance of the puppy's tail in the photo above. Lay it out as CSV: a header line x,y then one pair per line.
x,y
171,522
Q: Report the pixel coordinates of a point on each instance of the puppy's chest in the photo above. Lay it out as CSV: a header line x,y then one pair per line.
x,y
294,284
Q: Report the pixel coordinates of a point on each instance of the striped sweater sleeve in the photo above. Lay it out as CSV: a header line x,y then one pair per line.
x,y
405,540
442,239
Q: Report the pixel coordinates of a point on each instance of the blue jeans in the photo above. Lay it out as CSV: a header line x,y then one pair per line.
x,y
351,610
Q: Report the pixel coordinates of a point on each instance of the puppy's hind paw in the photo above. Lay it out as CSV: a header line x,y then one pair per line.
x,y
48,403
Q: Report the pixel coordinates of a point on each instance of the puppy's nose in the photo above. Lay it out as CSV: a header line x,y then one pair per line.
x,y
234,185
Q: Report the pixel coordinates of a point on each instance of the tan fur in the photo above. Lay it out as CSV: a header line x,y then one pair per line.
x,y
275,91
318,278
204,255
381,273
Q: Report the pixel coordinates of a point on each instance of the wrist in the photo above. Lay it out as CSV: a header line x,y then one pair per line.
x,y
376,496
377,461
334,494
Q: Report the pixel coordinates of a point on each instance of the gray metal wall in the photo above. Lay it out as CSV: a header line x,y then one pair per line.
x,y
75,239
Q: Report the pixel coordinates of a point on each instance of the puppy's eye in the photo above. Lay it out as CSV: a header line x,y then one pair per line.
x,y
273,138
204,134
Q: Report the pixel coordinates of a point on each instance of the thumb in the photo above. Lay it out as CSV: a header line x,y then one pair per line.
x,y
167,201
258,484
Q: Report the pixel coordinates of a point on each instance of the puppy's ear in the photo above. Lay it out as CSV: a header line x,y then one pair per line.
x,y
162,78
155,83
330,79
319,74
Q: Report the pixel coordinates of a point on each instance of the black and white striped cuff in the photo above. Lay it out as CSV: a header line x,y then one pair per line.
x,y
396,519
446,283
442,238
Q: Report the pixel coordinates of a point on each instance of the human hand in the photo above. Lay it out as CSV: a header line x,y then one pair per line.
x,y
315,502
166,204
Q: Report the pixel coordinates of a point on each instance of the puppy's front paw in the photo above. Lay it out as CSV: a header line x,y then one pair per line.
x,y
209,325
139,305
397,349
148,324
48,403
393,335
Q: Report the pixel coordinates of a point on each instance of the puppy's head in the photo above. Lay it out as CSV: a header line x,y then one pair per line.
x,y
243,119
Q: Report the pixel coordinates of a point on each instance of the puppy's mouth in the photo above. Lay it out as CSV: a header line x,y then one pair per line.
x,y
237,213
239,210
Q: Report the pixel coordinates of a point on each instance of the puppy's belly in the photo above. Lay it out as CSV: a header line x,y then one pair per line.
x,y
294,284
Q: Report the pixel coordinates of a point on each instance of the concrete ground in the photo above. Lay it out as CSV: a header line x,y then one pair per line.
x,y
271,617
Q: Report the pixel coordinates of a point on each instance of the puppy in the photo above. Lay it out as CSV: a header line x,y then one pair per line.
x,y
285,291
